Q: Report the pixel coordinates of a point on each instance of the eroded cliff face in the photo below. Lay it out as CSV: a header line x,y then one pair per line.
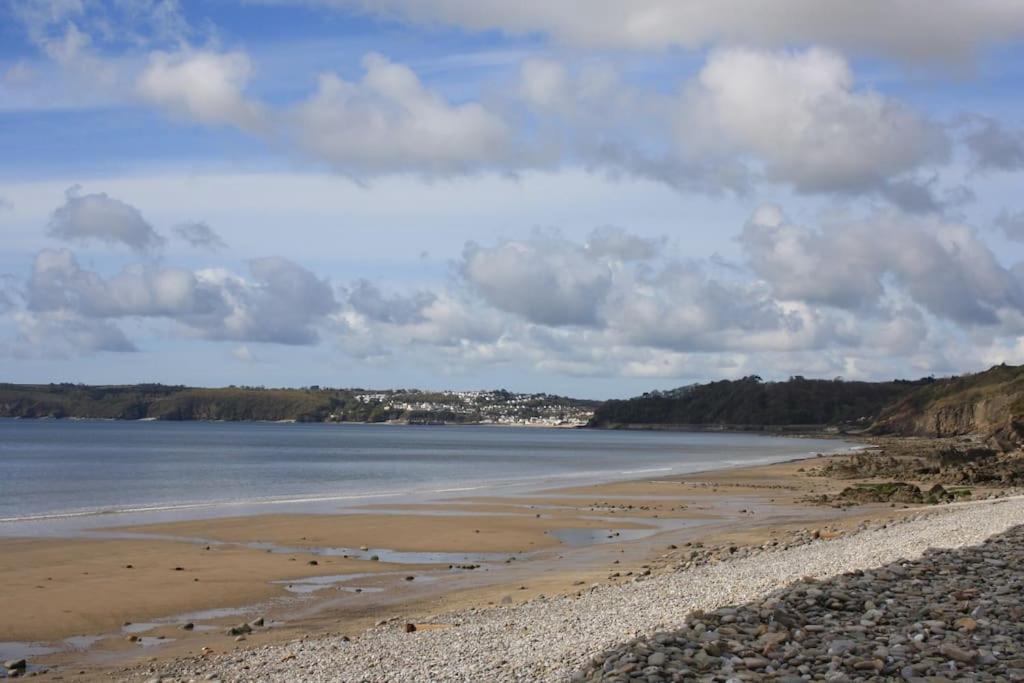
x,y
970,417
987,405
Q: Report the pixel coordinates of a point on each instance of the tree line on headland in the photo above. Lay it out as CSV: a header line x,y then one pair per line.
x,y
307,404
989,403
751,402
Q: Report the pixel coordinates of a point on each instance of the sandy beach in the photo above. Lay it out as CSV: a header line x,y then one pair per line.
x,y
626,632
128,598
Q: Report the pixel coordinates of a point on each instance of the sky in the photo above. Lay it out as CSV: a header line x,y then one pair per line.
x,y
587,197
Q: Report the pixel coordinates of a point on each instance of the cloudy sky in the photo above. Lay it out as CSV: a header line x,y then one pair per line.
x,y
593,197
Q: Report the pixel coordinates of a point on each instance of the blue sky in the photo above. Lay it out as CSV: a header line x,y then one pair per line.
x,y
587,198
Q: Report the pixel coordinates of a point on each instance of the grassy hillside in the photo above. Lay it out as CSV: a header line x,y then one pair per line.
x,y
162,402
989,404
751,402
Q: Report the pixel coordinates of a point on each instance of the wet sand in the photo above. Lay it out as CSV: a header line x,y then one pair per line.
x,y
470,533
55,588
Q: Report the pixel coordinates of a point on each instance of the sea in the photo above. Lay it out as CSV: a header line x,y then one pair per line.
x,y
57,475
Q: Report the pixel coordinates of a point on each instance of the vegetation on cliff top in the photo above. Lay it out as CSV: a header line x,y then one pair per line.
x,y
751,402
989,403
311,404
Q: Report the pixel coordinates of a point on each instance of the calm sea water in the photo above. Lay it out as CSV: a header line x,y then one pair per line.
x,y
53,470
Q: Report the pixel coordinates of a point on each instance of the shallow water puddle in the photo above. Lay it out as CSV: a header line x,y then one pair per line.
x,y
578,537
312,584
83,642
18,650
150,641
385,554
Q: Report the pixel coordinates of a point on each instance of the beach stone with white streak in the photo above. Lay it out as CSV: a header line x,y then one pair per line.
x,y
897,624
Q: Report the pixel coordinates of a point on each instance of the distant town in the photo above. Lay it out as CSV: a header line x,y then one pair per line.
x,y
498,407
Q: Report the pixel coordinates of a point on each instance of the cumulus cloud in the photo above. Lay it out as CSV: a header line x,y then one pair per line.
x,y
9,293
801,116
942,266
80,37
66,333
280,302
99,217
204,86
791,117
435,324
200,235
614,242
682,308
547,281
545,84
795,118
994,147
588,115
958,31
58,282
1011,224
633,296
844,299
367,299
390,122
243,353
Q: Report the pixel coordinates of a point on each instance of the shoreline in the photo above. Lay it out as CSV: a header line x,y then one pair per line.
x,y
251,506
823,431
569,636
678,507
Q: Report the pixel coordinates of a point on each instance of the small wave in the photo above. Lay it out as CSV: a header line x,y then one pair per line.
x,y
650,469
197,506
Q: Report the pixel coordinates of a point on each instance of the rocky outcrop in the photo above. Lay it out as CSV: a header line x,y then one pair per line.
x,y
989,405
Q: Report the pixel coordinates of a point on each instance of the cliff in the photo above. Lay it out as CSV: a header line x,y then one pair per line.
x,y
988,404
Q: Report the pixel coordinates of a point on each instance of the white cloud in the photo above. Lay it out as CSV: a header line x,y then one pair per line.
x,y
390,122
647,300
280,302
19,74
994,147
613,242
65,333
99,217
791,117
200,235
243,353
682,309
959,30
942,266
204,86
1011,224
545,84
62,27
799,114
545,280
367,299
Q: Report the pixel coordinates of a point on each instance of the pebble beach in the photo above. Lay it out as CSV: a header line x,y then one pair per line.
x,y
640,630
